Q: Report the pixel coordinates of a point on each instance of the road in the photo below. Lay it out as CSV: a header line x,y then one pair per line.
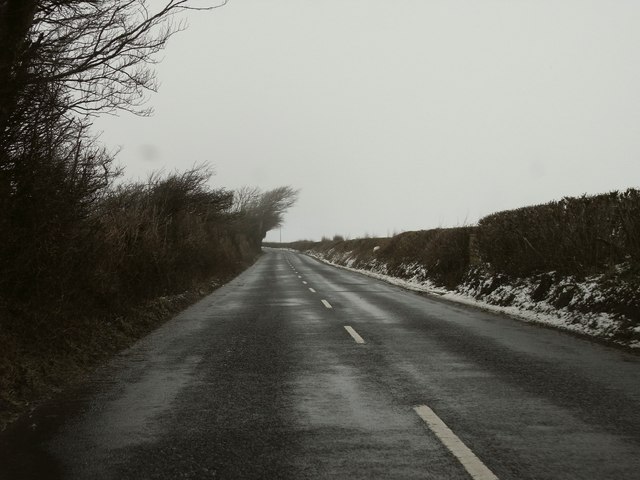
x,y
261,379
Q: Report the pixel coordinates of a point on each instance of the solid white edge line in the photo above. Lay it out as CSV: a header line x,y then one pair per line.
x,y
472,464
326,304
354,334
312,290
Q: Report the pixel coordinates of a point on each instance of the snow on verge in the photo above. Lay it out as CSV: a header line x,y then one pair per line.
x,y
520,305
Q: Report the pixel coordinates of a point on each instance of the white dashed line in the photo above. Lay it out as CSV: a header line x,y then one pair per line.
x,y
326,304
299,276
472,464
303,282
354,334
312,290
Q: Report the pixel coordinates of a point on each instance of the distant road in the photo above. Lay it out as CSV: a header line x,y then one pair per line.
x,y
299,370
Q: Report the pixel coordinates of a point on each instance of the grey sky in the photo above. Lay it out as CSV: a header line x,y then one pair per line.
x,y
401,115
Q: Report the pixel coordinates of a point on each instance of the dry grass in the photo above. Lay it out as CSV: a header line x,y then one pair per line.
x,y
36,366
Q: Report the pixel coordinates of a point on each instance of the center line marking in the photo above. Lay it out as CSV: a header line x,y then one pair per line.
x,y
326,304
299,276
472,464
303,282
312,290
354,334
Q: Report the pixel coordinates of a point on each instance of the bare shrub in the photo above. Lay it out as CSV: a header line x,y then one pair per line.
x,y
165,234
442,252
258,212
49,188
579,236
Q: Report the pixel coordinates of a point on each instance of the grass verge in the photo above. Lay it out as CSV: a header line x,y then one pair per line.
x,y
45,361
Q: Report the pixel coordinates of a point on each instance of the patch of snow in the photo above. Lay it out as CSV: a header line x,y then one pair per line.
x,y
517,297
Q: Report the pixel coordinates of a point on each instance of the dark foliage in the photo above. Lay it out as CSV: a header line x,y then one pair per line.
x,y
443,252
578,236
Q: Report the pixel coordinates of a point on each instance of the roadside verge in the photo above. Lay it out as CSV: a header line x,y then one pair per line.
x,y
549,299
33,369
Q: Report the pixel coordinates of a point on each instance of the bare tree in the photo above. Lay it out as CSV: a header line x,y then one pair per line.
x,y
99,51
246,198
273,205
260,211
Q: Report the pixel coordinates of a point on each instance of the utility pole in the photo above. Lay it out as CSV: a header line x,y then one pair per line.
x,y
280,234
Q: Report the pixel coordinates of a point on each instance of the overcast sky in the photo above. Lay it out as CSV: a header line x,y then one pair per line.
x,y
398,115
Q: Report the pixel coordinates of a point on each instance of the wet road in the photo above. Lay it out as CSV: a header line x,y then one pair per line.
x,y
261,379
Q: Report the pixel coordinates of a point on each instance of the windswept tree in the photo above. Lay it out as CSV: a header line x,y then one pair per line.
x,y
263,211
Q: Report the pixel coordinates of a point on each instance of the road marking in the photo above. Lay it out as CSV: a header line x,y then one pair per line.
x,y
299,276
354,334
303,282
472,464
312,290
326,304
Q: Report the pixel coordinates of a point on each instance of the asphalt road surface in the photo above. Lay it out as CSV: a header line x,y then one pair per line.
x,y
263,379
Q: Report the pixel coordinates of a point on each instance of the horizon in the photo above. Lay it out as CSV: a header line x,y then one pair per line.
x,y
397,117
